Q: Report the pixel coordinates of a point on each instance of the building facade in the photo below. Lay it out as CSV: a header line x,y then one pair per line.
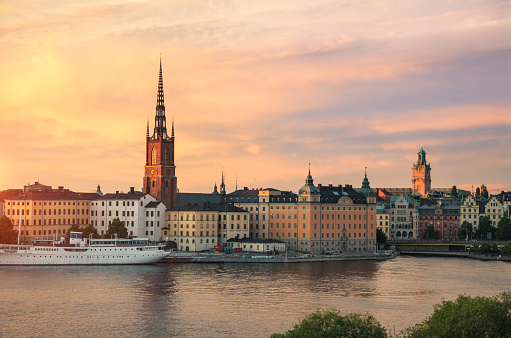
x,y
421,174
43,214
401,222
383,220
198,228
160,179
317,219
444,216
141,214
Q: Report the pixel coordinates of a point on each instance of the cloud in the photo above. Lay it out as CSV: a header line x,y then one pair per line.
x,y
254,86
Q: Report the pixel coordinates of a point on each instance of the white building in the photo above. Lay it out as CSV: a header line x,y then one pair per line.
x,y
142,215
257,244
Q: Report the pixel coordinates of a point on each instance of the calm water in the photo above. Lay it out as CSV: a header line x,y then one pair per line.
x,y
215,300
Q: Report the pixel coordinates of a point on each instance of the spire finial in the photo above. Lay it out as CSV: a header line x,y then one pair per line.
x,y
172,126
160,122
147,126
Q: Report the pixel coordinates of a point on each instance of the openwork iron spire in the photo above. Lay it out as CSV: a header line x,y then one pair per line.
x,y
160,122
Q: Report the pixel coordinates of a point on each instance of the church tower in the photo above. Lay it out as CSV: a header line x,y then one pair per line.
x,y
160,179
421,174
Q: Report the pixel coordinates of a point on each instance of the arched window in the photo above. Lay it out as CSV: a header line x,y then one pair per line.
x,y
153,156
153,184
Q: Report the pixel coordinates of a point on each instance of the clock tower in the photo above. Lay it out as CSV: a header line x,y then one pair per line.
x,y
160,179
421,174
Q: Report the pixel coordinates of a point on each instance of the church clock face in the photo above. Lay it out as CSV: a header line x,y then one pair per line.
x,y
152,171
168,172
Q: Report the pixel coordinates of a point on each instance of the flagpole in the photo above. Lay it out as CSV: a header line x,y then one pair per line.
x,y
19,229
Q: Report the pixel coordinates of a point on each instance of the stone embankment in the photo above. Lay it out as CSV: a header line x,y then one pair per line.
x,y
264,258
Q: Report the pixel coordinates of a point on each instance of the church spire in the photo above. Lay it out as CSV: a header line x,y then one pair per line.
x,y
160,122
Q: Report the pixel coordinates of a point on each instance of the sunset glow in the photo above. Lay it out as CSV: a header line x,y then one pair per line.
x,y
258,88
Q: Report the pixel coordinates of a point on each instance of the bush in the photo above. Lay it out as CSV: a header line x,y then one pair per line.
x,y
467,317
326,324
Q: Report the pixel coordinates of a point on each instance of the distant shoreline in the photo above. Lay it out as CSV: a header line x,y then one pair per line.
x,y
481,257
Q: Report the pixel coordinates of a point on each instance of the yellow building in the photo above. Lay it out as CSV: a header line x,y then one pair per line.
x,y
382,221
48,213
198,228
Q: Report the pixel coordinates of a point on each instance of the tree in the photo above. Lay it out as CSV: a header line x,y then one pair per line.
x,y
467,317
381,238
116,227
74,227
465,230
506,250
332,324
474,248
485,248
478,191
454,191
90,230
485,230
431,233
504,229
7,234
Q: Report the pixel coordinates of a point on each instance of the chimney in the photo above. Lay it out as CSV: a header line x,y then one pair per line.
x,y
320,185
132,190
117,193
330,185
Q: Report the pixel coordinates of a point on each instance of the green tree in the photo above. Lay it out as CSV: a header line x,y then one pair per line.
x,y
454,191
430,233
467,317
506,250
485,230
478,191
474,248
381,238
7,234
504,229
74,227
485,248
465,230
116,227
331,324
90,230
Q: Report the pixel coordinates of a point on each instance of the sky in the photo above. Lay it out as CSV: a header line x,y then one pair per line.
x,y
258,89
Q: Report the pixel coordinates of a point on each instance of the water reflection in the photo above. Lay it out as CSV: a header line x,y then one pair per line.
x,y
215,300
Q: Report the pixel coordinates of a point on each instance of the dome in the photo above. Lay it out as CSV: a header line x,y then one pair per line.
x,y
366,189
309,188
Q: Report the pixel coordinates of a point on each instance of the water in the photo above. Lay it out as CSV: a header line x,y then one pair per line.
x,y
224,300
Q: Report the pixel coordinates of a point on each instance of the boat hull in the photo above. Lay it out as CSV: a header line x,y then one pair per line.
x,y
80,256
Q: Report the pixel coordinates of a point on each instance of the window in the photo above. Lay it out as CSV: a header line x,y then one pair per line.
x,y
153,157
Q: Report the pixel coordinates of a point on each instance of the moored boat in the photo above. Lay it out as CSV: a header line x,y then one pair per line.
x,y
95,252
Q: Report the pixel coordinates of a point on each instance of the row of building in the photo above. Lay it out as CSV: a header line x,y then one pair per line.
x,y
316,219
406,217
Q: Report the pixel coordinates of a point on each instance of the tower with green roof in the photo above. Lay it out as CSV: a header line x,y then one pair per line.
x,y
421,174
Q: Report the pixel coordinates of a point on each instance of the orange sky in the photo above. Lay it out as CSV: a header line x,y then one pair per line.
x,y
258,88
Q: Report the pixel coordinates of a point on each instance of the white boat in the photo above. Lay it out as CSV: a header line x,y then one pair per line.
x,y
97,252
